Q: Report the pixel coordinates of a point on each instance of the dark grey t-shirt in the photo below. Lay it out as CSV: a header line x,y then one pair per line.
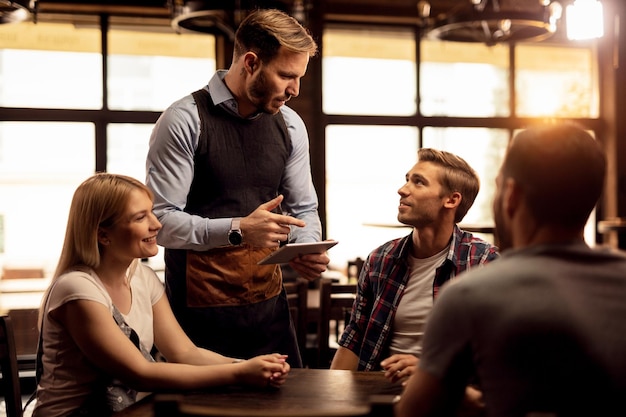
x,y
541,329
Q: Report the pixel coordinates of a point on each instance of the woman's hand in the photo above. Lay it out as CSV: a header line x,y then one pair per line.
x,y
264,371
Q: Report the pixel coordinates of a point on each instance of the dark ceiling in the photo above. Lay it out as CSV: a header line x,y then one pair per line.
x,y
375,11
403,12
339,9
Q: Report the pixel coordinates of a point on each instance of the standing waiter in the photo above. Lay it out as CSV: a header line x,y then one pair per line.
x,y
226,164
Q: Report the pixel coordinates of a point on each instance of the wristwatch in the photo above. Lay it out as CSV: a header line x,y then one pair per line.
x,y
235,237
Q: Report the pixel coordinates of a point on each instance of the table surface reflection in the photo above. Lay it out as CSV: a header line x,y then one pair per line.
x,y
306,392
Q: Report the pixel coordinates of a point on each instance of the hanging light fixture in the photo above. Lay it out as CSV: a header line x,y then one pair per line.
x,y
214,17
300,11
492,21
222,17
16,11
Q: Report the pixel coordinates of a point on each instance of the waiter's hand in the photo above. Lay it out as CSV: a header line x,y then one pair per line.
x,y
264,229
310,266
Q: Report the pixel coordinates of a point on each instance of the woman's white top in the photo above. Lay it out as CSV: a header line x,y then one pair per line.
x,y
68,375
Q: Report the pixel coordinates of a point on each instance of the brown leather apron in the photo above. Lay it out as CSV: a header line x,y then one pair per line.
x,y
230,276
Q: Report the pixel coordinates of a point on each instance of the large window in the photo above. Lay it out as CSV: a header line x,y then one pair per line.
x,y
36,183
561,82
385,93
148,71
42,163
369,72
466,98
464,80
365,167
71,58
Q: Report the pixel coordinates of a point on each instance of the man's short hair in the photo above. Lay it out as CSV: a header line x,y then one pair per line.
x,y
561,169
265,31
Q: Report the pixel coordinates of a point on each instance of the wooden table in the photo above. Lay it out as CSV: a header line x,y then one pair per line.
x,y
307,392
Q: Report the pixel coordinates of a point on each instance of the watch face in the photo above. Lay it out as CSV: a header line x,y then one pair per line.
x,y
234,237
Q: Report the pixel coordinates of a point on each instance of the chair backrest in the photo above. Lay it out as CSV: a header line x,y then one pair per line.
x,y
8,365
21,273
335,305
354,268
297,291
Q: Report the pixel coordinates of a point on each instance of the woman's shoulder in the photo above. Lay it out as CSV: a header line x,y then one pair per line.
x,y
77,285
76,280
146,278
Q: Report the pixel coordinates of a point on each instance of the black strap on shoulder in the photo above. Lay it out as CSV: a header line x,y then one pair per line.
x,y
119,319
38,367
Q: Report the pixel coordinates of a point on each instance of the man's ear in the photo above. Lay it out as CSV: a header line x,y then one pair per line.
x,y
453,200
250,61
511,197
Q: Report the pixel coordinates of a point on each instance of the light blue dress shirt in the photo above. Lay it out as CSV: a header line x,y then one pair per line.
x,y
170,169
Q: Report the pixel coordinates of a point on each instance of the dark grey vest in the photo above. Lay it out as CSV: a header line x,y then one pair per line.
x,y
239,163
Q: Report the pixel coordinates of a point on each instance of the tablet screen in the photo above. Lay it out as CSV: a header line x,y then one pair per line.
x,y
292,250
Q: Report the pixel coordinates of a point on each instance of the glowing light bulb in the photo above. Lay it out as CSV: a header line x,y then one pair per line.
x,y
584,20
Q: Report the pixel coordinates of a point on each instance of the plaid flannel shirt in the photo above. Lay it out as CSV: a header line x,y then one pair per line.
x,y
382,283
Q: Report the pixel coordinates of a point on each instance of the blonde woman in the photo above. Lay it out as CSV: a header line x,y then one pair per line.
x,y
105,310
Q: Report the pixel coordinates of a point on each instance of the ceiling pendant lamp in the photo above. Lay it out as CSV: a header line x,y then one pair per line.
x,y
16,10
217,17
585,20
492,21
222,17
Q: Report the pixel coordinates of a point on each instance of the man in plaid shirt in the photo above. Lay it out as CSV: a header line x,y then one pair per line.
x,y
401,278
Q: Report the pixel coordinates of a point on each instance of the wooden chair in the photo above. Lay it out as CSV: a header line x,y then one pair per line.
x,y
354,268
22,273
335,306
10,382
297,291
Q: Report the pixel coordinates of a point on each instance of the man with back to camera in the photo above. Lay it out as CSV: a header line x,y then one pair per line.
x,y
225,165
543,328
401,278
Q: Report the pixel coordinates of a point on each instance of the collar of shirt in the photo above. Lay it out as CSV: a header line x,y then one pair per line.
x,y
221,95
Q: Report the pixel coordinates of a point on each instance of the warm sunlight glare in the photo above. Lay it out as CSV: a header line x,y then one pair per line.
x,y
543,101
584,20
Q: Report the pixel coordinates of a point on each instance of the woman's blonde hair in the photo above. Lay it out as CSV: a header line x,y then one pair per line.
x,y
98,202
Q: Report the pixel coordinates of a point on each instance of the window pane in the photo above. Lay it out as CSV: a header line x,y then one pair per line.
x,y
369,72
365,167
464,79
483,149
127,147
149,71
556,81
50,65
37,182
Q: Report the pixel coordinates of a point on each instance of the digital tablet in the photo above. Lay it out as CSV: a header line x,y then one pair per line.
x,y
292,250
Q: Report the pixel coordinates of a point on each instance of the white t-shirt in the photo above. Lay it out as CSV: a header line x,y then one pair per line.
x,y
68,375
417,301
